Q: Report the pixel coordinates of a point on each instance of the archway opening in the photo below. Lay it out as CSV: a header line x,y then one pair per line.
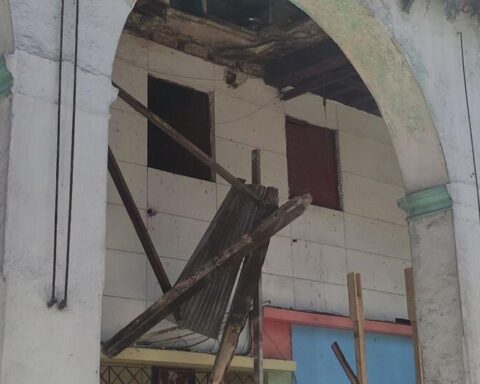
x,y
255,68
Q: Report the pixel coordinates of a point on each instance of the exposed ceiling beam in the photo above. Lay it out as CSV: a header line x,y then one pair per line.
x,y
309,71
309,62
355,84
319,82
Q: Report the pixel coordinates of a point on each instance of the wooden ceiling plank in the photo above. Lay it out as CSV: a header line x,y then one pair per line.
x,y
320,82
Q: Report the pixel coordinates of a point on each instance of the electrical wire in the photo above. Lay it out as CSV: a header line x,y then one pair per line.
x,y
470,122
64,302
53,298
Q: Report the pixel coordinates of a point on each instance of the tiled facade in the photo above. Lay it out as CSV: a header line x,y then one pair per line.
x,y
308,261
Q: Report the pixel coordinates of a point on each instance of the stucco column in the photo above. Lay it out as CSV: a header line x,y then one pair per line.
x,y
5,103
6,46
439,313
44,344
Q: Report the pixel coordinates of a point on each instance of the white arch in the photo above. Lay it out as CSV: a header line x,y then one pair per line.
x,y
389,78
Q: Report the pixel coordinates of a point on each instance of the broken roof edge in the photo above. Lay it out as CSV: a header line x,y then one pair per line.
x,y
192,360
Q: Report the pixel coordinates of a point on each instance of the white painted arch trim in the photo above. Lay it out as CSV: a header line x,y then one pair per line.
x,y
388,76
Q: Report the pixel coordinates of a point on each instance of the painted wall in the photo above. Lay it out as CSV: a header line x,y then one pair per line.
x,y
308,261
389,358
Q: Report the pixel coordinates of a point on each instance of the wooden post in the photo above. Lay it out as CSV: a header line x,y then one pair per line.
x,y
257,310
356,314
246,293
410,288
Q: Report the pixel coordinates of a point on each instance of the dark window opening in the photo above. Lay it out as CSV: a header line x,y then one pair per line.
x,y
188,111
312,163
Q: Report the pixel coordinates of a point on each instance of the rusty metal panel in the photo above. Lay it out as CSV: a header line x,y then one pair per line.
x,y
204,313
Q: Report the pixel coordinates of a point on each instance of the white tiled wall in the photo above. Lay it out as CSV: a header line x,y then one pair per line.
x,y
308,261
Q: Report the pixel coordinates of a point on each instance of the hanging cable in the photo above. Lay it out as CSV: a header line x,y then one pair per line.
x,y
470,123
64,302
53,298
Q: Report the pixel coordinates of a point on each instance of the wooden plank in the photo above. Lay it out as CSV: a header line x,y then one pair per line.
x,y
238,316
356,314
192,360
246,291
344,363
137,222
318,83
313,70
257,310
186,288
301,65
410,289
185,143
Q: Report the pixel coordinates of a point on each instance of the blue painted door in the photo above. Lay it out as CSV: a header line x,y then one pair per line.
x,y
389,358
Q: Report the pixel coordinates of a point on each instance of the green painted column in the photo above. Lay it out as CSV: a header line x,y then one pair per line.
x,y
6,79
437,292
432,200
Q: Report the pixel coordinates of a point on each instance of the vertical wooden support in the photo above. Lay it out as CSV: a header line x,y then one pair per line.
x,y
410,288
257,311
356,313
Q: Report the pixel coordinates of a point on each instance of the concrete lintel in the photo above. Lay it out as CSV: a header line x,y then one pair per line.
x,y
431,200
6,79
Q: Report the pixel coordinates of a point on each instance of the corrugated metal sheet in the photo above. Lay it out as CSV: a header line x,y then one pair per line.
x,y
204,313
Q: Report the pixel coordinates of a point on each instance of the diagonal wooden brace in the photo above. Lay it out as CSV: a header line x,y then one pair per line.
x,y
344,363
186,144
185,289
137,222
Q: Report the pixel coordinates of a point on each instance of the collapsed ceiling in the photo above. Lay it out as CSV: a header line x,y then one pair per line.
x,y
270,39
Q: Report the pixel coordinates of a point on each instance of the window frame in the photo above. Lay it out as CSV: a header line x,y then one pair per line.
x,y
306,124
211,125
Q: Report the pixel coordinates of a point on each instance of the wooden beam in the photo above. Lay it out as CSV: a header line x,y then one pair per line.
x,y
318,83
356,313
307,63
412,315
185,143
257,310
190,360
238,316
137,222
186,288
355,84
247,290
344,363
313,70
